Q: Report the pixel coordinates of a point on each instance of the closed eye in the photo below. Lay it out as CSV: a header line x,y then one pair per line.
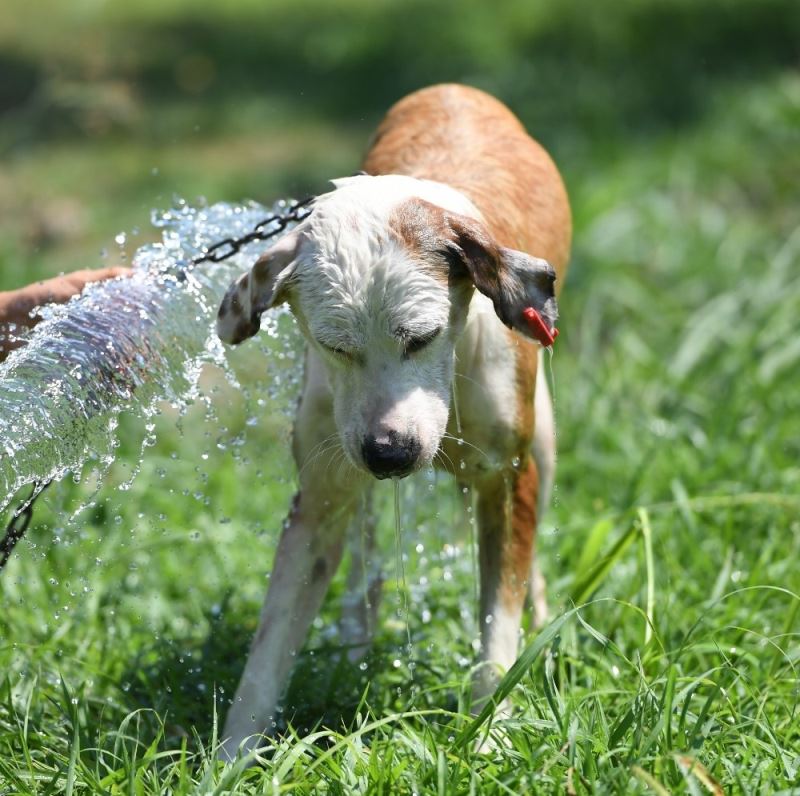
x,y
414,344
340,353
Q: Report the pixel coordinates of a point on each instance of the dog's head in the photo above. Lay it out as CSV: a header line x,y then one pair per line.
x,y
380,278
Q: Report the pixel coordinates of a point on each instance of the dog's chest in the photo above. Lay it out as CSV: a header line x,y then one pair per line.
x,y
483,428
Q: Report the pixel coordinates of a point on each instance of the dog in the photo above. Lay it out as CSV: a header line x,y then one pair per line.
x,y
430,274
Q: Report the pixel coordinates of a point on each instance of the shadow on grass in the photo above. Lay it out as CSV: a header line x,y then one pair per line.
x,y
325,690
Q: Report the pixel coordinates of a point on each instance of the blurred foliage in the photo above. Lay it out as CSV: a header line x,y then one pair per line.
x,y
109,107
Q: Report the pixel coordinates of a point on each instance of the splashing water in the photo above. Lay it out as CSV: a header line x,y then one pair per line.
x,y
123,345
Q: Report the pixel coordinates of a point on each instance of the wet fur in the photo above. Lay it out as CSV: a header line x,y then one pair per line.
x,y
449,230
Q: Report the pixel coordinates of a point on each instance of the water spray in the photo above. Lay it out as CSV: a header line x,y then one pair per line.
x,y
124,345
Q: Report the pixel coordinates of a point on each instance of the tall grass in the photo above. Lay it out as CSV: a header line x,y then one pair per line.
x,y
670,661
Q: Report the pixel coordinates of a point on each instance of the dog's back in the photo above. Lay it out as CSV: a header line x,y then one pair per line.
x,y
466,138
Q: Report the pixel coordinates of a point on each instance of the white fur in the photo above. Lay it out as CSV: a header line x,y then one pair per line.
x,y
353,287
487,401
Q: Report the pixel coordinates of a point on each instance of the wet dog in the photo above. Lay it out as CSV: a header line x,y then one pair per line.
x,y
436,269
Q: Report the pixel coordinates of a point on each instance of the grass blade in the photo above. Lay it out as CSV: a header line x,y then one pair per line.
x,y
514,675
647,537
591,580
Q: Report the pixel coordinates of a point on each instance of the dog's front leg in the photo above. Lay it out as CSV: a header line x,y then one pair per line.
x,y
307,557
308,554
507,521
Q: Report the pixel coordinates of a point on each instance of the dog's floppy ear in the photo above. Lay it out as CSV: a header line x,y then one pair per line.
x,y
513,280
239,315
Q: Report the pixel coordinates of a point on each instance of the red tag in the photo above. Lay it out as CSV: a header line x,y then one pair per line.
x,y
538,328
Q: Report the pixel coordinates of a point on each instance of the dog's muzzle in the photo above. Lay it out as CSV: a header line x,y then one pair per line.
x,y
390,455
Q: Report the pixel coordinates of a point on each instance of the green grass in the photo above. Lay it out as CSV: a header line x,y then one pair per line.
x,y
671,548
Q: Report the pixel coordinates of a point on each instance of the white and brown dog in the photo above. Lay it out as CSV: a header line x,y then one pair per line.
x,y
382,279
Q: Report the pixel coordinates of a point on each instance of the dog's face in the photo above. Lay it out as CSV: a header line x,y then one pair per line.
x,y
380,278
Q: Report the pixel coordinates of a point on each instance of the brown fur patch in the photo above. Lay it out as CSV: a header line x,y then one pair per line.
x,y
518,553
507,509
444,240
471,141
261,272
421,228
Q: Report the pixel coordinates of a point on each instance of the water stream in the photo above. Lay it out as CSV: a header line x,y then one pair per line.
x,y
123,345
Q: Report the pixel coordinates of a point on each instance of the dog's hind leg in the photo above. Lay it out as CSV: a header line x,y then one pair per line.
x,y
507,520
544,454
364,583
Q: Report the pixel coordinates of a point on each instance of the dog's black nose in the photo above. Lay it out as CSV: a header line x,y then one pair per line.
x,y
390,455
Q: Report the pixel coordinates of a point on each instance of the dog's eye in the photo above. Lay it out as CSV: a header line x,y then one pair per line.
x,y
418,343
342,353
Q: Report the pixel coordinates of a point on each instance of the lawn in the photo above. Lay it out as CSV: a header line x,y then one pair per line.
x,y
670,664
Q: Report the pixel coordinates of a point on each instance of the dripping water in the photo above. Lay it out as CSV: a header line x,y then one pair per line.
x,y
551,384
551,377
468,507
456,412
400,574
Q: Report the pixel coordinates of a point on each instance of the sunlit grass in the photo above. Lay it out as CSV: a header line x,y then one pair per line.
x,y
670,552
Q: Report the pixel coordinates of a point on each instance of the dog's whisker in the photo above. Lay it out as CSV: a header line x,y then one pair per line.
x,y
334,455
319,450
338,456
462,441
442,456
345,463
471,380
312,454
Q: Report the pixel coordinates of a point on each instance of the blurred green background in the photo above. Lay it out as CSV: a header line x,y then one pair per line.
x,y
676,124
110,108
